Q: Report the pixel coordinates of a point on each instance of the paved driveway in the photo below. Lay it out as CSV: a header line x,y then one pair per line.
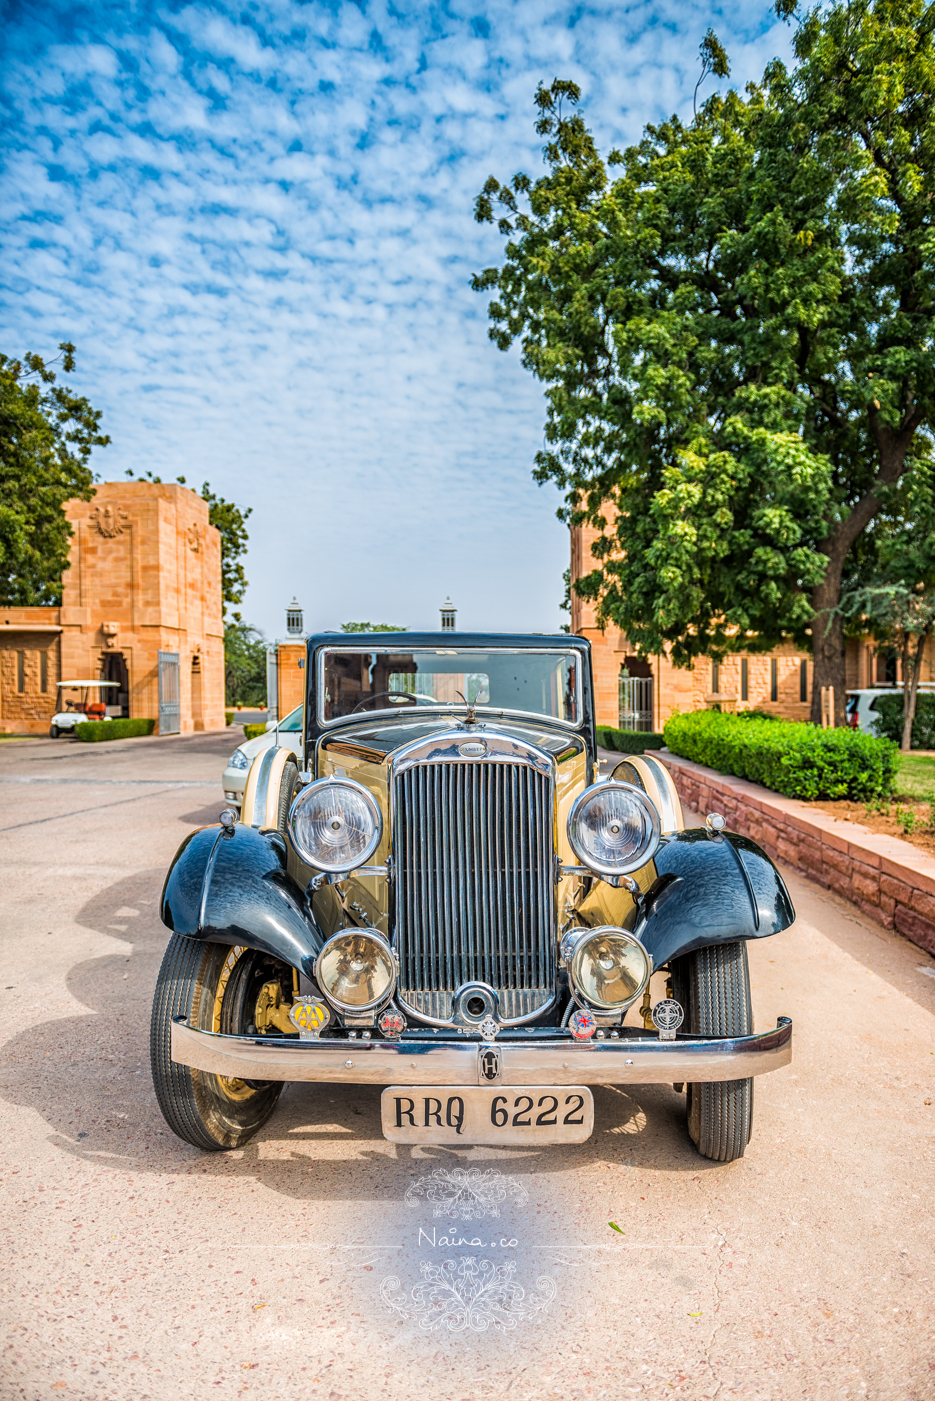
x,y
311,1263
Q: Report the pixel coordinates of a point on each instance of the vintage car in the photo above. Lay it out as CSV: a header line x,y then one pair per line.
x,y
444,899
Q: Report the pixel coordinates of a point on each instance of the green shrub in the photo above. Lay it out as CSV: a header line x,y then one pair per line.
x,y
93,731
251,731
788,756
228,717
889,713
627,741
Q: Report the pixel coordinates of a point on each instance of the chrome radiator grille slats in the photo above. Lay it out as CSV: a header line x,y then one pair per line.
x,y
474,892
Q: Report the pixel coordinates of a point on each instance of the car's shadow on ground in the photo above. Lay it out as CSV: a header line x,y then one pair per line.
x,y
87,1077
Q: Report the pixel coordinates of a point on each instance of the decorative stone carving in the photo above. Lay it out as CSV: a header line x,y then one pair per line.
x,y
195,538
110,631
109,521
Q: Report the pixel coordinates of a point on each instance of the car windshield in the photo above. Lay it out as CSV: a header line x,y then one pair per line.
x,y
293,720
531,682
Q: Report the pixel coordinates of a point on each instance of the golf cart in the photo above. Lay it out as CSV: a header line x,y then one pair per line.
x,y
72,710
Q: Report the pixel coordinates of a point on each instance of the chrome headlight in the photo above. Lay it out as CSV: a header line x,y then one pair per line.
x,y
335,825
613,828
608,968
356,970
238,760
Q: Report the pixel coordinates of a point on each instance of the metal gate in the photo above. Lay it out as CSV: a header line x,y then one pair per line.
x,y
170,711
636,703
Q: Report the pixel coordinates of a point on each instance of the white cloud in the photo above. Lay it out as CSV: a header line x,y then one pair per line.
x,y
259,233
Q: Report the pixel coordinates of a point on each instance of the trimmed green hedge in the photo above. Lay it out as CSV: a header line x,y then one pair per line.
x,y
252,731
228,717
627,741
889,710
93,731
788,756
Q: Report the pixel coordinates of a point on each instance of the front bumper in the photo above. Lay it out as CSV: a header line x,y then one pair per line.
x,y
233,782
540,1058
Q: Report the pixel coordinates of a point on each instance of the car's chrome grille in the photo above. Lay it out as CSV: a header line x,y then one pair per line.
x,y
472,850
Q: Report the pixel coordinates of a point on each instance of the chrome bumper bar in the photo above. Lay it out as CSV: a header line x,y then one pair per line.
x,y
543,1060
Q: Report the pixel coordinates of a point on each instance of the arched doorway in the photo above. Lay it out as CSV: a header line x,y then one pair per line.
x,y
114,668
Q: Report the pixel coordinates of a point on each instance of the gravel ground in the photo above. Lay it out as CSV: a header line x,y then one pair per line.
x,y
137,1267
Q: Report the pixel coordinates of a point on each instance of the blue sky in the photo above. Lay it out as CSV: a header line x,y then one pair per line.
x,y
256,225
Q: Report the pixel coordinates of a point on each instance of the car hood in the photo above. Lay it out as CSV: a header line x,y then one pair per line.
x,y
376,740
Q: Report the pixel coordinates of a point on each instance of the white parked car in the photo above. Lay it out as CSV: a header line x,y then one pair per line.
x,y
862,705
238,765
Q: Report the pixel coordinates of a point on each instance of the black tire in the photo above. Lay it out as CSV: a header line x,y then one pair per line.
x,y
53,732
713,986
211,985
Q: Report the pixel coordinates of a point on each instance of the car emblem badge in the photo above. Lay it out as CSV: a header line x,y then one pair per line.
x,y
473,749
488,1064
392,1024
309,1017
667,1018
582,1025
488,1028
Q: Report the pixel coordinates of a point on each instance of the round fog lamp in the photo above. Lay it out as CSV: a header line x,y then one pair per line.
x,y
335,825
355,970
608,967
613,828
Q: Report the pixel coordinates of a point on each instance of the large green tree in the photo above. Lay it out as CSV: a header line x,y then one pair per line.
x,y
244,664
736,328
47,434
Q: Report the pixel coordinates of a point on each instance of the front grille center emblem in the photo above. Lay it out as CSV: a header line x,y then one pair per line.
x,y
473,749
488,1064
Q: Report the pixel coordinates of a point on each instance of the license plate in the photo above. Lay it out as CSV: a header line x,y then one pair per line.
x,y
536,1114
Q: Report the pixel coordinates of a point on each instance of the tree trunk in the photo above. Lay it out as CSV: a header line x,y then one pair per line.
x,y
827,623
911,688
828,645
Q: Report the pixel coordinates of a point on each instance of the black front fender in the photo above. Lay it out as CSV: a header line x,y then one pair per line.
x,y
234,888
711,889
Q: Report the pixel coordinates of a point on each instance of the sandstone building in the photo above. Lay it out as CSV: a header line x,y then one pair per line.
x,y
778,681
141,606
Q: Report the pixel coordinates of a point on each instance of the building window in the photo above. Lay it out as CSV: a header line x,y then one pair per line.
x,y
803,680
43,671
294,624
774,679
21,672
715,679
744,679
448,611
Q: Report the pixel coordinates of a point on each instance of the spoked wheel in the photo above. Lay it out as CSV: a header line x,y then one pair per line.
x,y
713,986
215,988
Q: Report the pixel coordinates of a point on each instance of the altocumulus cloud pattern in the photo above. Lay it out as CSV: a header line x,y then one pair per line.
x,y
256,224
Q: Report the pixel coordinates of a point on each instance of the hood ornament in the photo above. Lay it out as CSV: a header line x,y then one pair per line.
x,y
471,717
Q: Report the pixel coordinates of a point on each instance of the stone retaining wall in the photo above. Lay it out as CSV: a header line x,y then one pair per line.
x,y
888,879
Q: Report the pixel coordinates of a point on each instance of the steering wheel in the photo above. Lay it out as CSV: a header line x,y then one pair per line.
x,y
428,700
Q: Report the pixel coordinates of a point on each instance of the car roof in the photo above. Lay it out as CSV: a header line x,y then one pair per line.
x,y
456,641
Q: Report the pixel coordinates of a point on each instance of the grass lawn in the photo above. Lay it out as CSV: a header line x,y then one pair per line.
x,y
916,777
